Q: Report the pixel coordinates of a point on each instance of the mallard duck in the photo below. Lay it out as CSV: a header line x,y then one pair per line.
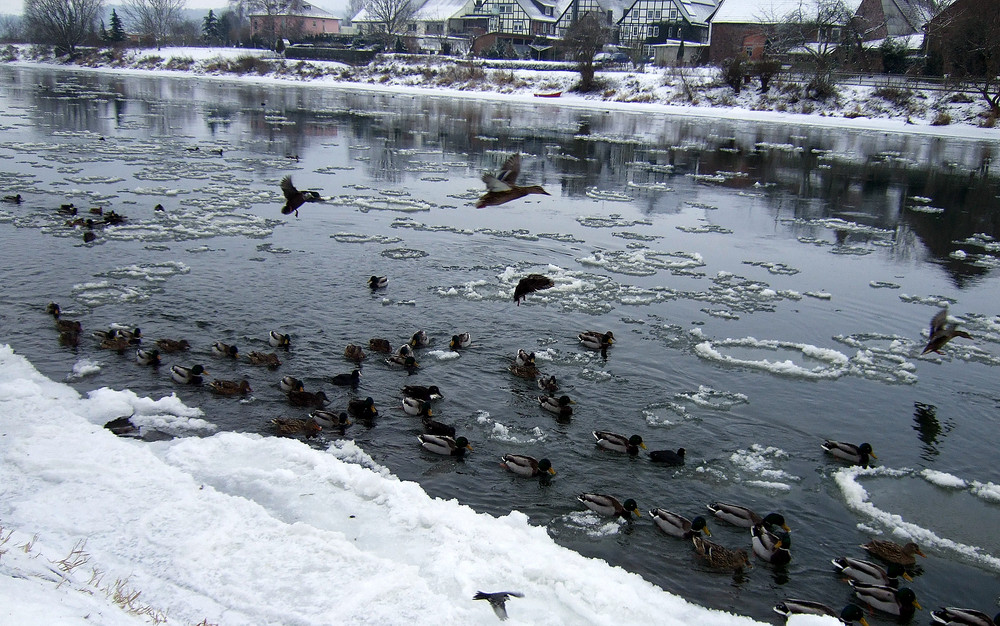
x,y
89,236
379,345
408,362
954,616
530,284
68,209
119,345
354,353
619,443
718,556
279,340
421,392
901,602
306,398
769,546
668,457
329,419
225,350
362,409
441,444
527,372
147,357
416,406
502,188
291,426
850,614
461,340
548,384
347,380
609,506
290,383
377,282
113,219
404,350
418,339
942,332
524,465
524,358
69,326
858,455
560,406
596,340
69,338
187,375
434,427
679,526
892,552
172,345
231,387
498,600
269,359
744,517
53,309
113,333
870,573
14,199
295,198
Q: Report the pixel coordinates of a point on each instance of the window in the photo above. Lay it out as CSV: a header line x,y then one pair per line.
x,y
654,31
835,34
506,8
673,14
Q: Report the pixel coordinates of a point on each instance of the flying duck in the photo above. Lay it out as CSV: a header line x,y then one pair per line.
x,y
502,188
498,600
942,332
530,284
295,198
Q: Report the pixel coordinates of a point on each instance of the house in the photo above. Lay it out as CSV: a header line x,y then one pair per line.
x,y
302,20
611,10
652,22
963,40
527,25
878,19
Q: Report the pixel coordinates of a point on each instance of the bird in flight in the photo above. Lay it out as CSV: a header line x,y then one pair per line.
x,y
498,600
501,187
295,198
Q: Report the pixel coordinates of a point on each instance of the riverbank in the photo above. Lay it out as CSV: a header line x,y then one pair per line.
x,y
685,91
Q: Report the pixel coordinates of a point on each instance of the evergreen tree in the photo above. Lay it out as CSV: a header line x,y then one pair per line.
x,y
117,34
210,27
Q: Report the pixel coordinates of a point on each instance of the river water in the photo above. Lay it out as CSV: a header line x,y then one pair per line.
x,y
769,286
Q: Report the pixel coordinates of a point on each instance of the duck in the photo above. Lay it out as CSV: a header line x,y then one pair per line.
x,y
502,188
112,219
53,309
69,338
347,380
668,457
329,419
869,573
187,375
744,517
498,600
147,357
421,392
434,427
363,409
769,546
530,284
679,526
609,506
89,237
295,198
68,209
268,359
893,552
418,339
225,350
14,199
619,443
378,282
408,362
72,326
119,345
596,340
129,335
416,406
548,383
279,340
857,455
527,372
442,444
306,398
461,340
290,383
954,616
791,606
353,352
172,345
528,466
377,344
524,358
292,426
901,602
230,387
942,332
718,556
404,350
560,406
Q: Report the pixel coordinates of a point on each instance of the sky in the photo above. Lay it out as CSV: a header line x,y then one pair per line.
x,y
16,7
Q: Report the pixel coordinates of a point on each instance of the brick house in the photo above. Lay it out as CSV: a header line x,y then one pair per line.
x,y
979,24
302,20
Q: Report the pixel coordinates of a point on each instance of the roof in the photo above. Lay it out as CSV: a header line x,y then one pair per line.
x,y
439,10
698,11
767,11
905,17
304,9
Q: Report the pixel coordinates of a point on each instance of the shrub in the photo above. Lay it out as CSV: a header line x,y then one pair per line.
x,y
179,63
8,54
941,119
150,61
821,88
733,71
896,95
854,114
960,98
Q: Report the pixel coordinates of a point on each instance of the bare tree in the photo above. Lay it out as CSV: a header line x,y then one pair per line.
x,y
11,29
353,8
390,16
583,40
964,42
64,23
269,10
152,18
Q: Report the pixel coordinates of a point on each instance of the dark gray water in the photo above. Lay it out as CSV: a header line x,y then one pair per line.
x,y
769,286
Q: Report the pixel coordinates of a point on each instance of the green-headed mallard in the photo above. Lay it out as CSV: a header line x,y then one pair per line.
x,y
609,506
530,284
329,419
869,573
441,444
377,344
942,332
291,383
292,426
461,340
668,457
225,350
421,392
718,556
307,398
954,616
347,380
791,606
295,198
269,359
230,387
901,602
170,346
187,375
53,309
498,600
418,339
524,358
524,465
596,340
892,552
560,406
858,455
408,362
744,517
133,335
502,188
353,352
362,409
679,526
416,406
548,383
279,340
377,282
619,443
147,357
769,546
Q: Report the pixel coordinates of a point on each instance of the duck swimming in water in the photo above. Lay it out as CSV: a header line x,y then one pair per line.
x,y
502,188
527,466
609,506
858,455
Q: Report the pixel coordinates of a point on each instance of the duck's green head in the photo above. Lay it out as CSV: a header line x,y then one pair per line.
x,y
636,440
776,519
853,613
546,466
699,524
462,442
631,506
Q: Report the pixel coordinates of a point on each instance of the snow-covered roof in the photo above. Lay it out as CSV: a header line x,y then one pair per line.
x,y
698,11
905,17
531,8
305,9
440,10
767,11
